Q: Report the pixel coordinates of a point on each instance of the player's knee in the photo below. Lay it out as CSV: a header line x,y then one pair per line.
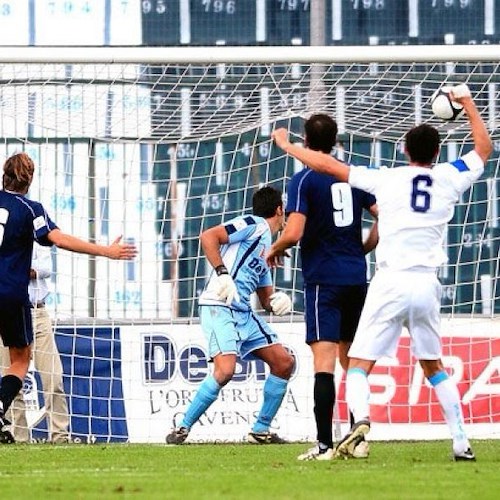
x,y
223,375
286,366
20,355
431,366
344,362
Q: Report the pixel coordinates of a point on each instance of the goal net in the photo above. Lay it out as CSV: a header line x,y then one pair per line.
x,y
158,145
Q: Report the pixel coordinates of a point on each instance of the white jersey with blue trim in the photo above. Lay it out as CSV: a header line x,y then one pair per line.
x,y
244,257
415,204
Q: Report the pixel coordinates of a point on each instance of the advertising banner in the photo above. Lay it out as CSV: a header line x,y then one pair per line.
x,y
134,382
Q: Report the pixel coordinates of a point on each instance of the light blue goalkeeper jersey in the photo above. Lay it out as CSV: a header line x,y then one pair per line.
x,y
244,257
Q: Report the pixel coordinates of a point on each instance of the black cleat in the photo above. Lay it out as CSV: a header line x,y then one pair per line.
x,y
264,438
177,436
356,435
466,456
6,436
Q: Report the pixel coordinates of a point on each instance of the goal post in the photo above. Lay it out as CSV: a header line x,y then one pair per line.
x,y
251,54
158,144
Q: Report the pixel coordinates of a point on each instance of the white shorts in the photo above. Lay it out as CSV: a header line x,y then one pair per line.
x,y
396,299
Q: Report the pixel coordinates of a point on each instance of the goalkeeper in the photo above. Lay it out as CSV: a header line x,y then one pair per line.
x,y
236,250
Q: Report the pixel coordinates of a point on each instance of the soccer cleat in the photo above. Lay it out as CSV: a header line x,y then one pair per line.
x,y
178,435
264,438
317,453
70,440
6,436
348,444
362,450
466,456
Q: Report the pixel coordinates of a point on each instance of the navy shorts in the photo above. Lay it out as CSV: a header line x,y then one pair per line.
x,y
332,311
16,327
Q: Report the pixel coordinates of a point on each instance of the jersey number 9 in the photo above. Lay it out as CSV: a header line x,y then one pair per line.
x,y
342,204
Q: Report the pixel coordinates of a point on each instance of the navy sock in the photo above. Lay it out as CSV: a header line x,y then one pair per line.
x,y
324,399
10,385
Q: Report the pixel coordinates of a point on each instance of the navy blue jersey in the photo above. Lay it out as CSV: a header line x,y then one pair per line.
x,y
21,222
331,247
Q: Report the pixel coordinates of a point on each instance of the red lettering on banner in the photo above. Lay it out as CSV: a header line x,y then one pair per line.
x,y
401,394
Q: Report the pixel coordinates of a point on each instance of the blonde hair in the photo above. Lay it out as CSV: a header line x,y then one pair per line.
x,y
18,173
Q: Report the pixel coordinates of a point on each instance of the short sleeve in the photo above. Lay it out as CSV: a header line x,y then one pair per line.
x,y
296,193
464,171
240,228
42,225
364,178
266,279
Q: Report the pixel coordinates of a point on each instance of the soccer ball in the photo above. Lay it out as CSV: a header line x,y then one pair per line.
x,y
443,107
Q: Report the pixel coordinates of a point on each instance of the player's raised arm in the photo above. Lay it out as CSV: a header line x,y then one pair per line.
x,y
482,140
316,160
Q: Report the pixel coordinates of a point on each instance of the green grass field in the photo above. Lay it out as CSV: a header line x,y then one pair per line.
x,y
420,470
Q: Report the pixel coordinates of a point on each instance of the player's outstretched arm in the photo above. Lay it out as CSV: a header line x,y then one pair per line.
x,y
291,235
315,160
480,135
116,250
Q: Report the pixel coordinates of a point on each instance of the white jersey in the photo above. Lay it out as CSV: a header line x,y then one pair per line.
x,y
415,204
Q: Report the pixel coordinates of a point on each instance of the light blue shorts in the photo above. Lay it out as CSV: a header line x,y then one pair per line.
x,y
234,332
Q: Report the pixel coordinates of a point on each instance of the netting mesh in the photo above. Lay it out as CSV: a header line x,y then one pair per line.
x,y
173,102
159,152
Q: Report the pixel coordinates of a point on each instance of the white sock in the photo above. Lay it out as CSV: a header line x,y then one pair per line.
x,y
449,398
358,393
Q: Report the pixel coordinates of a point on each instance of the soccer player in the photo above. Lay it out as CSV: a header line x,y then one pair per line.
x,y
415,204
21,222
236,250
46,358
325,215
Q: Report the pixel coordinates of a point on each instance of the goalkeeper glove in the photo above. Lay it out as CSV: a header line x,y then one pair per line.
x,y
225,287
280,303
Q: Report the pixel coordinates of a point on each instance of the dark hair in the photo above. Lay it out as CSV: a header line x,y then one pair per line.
x,y
422,144
265,201
18,173
321,133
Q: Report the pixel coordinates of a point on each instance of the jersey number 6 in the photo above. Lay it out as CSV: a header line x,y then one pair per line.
x,y
421,199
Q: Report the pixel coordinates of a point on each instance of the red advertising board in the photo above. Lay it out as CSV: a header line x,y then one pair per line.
x,y
401,394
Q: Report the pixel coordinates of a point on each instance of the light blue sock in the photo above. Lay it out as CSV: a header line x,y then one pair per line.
x,y
274,391
206,395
